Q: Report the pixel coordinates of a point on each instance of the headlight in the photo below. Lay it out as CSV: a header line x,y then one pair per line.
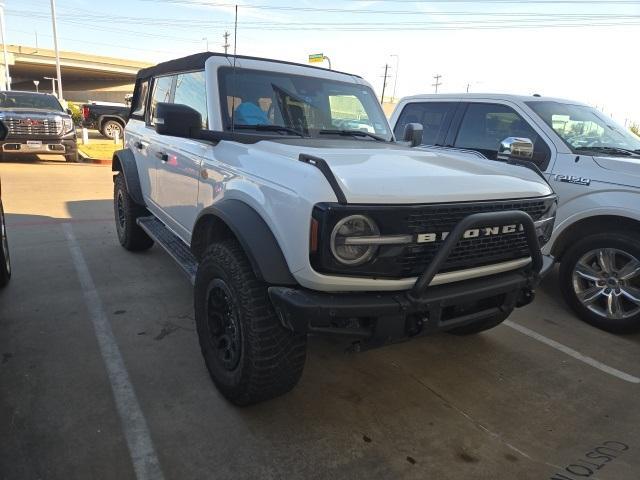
x,y
544,226
67,124
346,245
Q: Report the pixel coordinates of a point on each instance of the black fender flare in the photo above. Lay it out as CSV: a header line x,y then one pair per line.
x,y
124,161
255,237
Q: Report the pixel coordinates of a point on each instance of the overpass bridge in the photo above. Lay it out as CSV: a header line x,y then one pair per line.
x,y
84,77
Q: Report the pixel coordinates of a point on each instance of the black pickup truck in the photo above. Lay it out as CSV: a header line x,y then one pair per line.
x,y
35,123
107,119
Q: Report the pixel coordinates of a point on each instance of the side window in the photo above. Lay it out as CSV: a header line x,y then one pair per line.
x,y
485,125
348,113
434,117
141,100
161,93
190,90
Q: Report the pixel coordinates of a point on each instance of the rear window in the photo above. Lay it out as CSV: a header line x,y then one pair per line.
x,y
29,100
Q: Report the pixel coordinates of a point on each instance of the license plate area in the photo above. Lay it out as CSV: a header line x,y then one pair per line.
x,y
34,144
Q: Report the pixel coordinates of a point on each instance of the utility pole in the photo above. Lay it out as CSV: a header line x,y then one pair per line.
x,y
206,40
468,85
226,45
395,77
384,82
437,82
7,78
55,44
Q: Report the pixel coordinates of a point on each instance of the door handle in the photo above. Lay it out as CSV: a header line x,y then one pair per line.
x,y
162,156
140,145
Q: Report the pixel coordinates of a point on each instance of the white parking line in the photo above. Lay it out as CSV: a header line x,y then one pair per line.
x,y
573,353
143,456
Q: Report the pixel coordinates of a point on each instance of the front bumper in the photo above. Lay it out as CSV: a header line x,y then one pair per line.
x,y
374,319
377,318
24,145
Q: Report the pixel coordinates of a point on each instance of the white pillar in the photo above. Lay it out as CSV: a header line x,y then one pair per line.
x,y
55,44
7,78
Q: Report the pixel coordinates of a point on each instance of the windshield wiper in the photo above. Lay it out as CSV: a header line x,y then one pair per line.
x,y
618,150
352,133
269,128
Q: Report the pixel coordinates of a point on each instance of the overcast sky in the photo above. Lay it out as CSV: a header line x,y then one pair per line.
x,y
583,50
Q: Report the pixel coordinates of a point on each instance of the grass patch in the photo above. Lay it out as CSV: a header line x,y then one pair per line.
x,y
101,151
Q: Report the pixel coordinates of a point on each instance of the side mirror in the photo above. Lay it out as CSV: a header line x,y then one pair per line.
x,y
68,110
413,134
515,148
177,120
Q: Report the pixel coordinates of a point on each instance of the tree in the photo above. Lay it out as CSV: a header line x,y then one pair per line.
x,y
635,128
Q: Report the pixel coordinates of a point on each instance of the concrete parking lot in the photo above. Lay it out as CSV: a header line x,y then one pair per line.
x,y
542,397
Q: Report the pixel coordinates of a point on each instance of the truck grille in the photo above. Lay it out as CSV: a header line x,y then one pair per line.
x,y
469,253
33,126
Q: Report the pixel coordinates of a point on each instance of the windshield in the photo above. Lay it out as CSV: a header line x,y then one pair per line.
x,y
29,100
584,128
293,104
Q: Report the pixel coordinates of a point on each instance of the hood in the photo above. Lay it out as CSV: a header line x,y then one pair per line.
x,y
36,112
389,173
629,166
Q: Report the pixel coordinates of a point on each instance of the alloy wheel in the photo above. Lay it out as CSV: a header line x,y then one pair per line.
x,y
111,128
606,281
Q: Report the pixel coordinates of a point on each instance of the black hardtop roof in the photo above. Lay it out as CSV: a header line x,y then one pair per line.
x,y
197,61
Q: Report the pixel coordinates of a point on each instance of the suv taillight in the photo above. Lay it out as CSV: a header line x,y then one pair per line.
x,y
85,112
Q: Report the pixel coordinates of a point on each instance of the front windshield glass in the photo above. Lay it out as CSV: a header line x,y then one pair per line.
x,y
29,100
584,128
296,104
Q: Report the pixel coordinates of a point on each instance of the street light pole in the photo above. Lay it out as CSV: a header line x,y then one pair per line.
x,y
7,78
53,84
55,44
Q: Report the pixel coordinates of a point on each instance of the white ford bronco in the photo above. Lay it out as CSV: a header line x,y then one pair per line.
x,y
280,190
593,165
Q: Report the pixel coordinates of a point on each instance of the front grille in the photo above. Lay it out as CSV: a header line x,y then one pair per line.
x,y
411,260
468,253
33,126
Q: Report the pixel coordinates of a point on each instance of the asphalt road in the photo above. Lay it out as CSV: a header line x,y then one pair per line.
x,y
100,373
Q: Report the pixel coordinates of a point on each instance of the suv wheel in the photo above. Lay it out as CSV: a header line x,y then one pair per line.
x,y
71,157
110,128
126,211
5,261
600,280
250,356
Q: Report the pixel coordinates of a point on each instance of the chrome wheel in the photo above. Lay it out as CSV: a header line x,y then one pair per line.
x,y
111,128
606,281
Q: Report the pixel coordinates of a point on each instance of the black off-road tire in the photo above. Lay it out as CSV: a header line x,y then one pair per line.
x,y
5,261
71,157
481,325
126,212
268,359
626,242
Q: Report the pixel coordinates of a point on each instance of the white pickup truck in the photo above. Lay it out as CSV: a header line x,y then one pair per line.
x,y
280,190
592,163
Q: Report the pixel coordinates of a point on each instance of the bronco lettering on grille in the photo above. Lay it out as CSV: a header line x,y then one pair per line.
x,y
472,233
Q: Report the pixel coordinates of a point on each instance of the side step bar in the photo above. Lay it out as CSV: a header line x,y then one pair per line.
x,y
172,244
